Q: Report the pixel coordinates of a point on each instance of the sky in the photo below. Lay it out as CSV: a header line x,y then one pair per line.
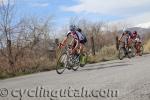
x,y
133,12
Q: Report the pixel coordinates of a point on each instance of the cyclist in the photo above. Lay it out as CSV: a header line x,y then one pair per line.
x,y
136,36
126,39
79,39
137,41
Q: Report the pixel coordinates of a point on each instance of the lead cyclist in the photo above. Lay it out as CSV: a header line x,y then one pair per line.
x,y
79,40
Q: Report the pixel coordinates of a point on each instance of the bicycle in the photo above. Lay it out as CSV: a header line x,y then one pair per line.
x,y
70,61
128,51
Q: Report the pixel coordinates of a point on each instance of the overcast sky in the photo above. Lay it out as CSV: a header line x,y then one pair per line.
x,y
130,11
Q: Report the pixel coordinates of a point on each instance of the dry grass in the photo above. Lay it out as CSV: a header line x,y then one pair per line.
x,y
147,47
26,66
35,64
105,54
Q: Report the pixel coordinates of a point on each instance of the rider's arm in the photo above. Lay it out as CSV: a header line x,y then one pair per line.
x,y
77,43
121,37
65,39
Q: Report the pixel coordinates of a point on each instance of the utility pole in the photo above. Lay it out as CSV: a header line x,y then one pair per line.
x,y
92,45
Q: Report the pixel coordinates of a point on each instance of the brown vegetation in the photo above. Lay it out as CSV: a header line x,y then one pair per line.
x,y
26,46
147,47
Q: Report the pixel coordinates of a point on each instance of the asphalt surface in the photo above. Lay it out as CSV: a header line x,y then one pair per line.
x,y
128,79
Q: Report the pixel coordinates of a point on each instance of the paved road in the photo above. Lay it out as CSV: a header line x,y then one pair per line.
x,y
128,79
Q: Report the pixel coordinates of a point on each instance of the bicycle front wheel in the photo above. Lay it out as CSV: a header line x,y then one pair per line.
x,y
121,53
61,63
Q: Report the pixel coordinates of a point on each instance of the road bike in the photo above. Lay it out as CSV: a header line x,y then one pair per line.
x,y
69,61
124,51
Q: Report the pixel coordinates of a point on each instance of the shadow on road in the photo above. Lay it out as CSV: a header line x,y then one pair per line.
x,y
110,63
100,67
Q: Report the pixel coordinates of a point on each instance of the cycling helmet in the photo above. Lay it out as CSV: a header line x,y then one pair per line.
x,y
72,28
79,29
135,32
125,31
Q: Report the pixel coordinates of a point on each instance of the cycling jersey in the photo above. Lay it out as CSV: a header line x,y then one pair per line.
x,y
125,37
76,35
135,36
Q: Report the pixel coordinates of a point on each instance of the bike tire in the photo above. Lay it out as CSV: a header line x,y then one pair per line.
x,y
133,52
129,55
121,53
76,65
141,50
75,68
61,65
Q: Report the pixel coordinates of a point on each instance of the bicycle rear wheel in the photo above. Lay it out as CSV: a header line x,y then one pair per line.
x,y
141,50
61,63
75,68
76,64
132,52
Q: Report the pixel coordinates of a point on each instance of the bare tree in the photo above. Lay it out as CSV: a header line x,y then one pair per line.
x,y
22,40
6,30
93,29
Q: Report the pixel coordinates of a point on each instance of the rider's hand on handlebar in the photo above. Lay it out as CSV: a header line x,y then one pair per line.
x,y
60,45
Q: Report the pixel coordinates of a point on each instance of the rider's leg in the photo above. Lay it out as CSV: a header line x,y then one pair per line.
x,y
74,47
138,47
126,46
81,46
